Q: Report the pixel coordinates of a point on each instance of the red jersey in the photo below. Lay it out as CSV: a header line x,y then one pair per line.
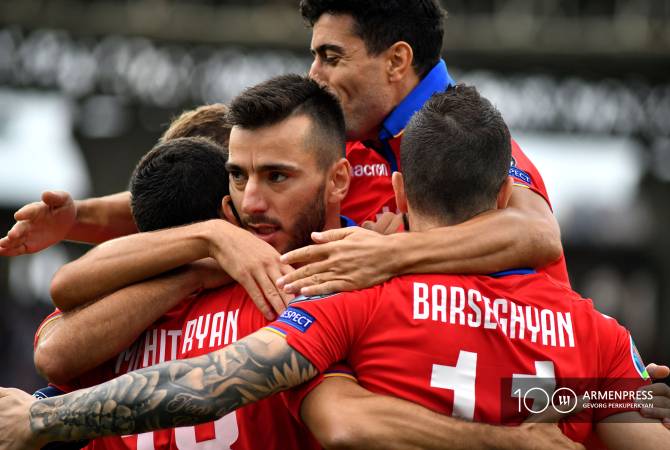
x,y
470,346
217,319
159,343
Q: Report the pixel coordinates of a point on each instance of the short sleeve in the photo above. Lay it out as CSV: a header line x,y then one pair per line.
x,y
47,320
323,328
525,174
293,398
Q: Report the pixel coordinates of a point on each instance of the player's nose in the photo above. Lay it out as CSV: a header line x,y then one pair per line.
x,y
253,201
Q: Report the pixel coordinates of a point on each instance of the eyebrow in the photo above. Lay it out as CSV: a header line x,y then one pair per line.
x,y
278,167
323,48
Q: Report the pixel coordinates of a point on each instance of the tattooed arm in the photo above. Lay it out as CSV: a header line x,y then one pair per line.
x,y
169,395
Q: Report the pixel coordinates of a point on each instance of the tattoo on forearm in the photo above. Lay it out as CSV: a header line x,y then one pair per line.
x,y
174,394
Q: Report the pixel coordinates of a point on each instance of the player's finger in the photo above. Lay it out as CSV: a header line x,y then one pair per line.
x,y
385,221
321,237
312,280
368,225
29,211
249,284
55,199
658,372
305,255
655,413
13,251
296,280
285,269
269,290
273,274
328,287
18,231
666,422
657,389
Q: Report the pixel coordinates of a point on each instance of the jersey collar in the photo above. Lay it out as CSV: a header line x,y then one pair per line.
x,y
347,222
437,80
506,273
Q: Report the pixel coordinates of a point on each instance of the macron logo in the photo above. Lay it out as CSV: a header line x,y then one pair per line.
x,y
370,170
296,318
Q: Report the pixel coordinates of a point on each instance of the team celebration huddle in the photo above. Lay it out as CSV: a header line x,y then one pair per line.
x,y
361,257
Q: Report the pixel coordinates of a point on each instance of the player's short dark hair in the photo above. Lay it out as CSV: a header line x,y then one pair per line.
x,y
455,155
382,23
278,98
179,181
210,121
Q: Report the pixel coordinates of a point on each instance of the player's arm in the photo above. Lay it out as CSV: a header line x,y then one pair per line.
x,y
525,234
57,217
179,393
126,260
630,430
363,420
76,341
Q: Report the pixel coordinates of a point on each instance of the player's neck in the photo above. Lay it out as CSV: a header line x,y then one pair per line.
x,y
332,220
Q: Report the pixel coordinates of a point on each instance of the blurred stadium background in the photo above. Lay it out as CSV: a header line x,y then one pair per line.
x,y
86,87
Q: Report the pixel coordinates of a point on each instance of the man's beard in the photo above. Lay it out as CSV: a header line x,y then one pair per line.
x,y
310,218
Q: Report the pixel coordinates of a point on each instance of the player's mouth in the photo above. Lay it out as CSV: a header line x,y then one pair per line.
x,y
264,231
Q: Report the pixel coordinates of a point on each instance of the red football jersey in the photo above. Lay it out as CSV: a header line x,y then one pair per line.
x,y
159,343
470,346
371,192
217,319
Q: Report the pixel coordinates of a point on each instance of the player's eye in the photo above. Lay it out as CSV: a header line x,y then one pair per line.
x,y
277,177
331,59
236,176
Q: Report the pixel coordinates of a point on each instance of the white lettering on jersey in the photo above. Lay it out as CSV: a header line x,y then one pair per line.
x,y
370,170
472,309
149,349
222,325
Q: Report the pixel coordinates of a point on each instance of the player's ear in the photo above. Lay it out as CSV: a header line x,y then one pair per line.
x,y
399,188
338,181
229,212
399,61
505,193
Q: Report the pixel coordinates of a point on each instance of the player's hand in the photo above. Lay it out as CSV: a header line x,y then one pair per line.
x,y
541,431
210,273
344,259
40,224
15,431
254,264
661,393
387,223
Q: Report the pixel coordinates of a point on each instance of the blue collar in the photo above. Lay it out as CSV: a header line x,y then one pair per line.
x,y
437,80
347,222
505,273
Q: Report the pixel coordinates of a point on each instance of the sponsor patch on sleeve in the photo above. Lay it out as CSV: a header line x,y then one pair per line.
x,y
519,174
297,318
637,361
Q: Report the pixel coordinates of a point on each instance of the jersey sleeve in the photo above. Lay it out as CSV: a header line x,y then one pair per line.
x,y
525,174
621,368
293,398
47,320
323,328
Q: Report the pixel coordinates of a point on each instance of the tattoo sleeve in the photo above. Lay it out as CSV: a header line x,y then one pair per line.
x,y
174,394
